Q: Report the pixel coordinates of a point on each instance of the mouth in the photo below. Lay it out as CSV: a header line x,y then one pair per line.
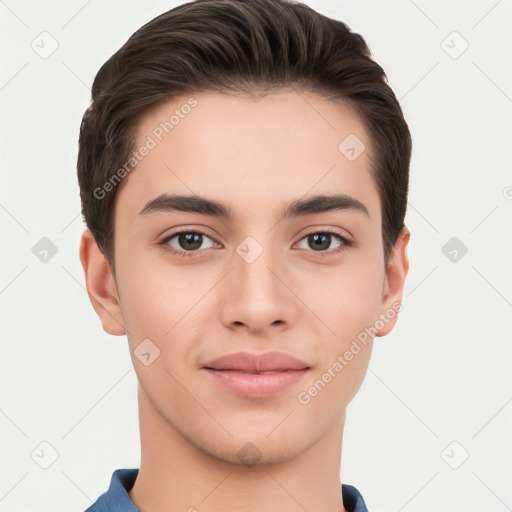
x,y
256,375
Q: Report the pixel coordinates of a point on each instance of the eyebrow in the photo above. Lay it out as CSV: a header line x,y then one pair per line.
x,y
197,204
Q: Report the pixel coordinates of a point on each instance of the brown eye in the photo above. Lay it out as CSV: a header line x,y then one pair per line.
x,y
186,242
322,241
319,241
189,241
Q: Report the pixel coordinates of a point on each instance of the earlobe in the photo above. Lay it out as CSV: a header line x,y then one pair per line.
x,y
394,282
101,286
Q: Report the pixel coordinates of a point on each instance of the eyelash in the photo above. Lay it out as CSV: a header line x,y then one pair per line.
x,y
346,243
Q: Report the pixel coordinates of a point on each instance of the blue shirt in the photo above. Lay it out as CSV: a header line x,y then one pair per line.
x,y
116,499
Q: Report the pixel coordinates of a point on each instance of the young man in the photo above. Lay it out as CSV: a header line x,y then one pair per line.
x,y
244,172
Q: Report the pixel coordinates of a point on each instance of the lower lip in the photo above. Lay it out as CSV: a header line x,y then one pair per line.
x,y
257,385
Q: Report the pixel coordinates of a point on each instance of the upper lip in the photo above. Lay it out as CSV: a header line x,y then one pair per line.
x,y
268,361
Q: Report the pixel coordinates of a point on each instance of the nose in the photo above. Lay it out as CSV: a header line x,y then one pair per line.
x,y
256,295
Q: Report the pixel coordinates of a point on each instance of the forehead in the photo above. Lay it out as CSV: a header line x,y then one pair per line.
x,y
250,152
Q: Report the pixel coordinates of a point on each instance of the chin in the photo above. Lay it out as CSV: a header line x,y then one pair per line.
x,y
255,450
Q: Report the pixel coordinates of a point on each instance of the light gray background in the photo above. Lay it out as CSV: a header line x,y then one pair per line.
x,y
438,388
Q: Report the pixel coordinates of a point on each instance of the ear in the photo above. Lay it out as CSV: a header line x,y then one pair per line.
x,y
101,285
394,281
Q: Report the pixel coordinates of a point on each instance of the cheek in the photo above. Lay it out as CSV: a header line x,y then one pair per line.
x,y
153,296
348,307
165,305
346,299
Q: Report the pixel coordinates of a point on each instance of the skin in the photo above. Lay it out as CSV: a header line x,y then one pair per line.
x,y
256,155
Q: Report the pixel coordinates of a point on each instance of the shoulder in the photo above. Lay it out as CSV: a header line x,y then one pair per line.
x,y
352,499
116,498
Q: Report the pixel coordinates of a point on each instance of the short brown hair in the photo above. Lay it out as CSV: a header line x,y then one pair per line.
x,y
238,47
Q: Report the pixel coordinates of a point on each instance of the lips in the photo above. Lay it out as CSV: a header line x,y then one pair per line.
x,y
256,375
268,362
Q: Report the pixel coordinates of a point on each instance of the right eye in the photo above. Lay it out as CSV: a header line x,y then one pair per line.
x,y
186,244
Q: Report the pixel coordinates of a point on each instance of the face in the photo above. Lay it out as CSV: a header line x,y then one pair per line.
x,y
192,286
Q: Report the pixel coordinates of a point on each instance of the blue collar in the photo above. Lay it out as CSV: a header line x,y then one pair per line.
x,y
116,499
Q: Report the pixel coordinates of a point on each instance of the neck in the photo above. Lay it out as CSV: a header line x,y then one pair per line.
x,y
175,474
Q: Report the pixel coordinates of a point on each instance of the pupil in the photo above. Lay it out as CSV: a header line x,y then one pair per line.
x,y
321,239
190,238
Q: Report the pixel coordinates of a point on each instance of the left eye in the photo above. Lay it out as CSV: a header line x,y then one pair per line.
x,y
319,241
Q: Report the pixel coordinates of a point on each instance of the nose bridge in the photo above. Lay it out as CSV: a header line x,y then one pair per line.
x,y
257,295
254,266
